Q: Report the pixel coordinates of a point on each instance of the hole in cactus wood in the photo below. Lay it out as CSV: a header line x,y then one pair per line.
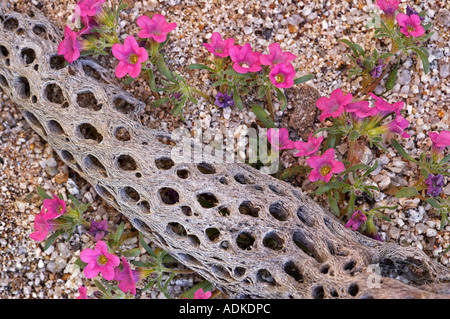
x,y
130,195
94,164
103,192
206,168
245,241
23,88
141,226
11,24
304,217
303,242
164,163
318,292
292,270
57,62
224,211
169,196
177,229
188,259
212,233
165,140
144,206
93,73
35,122
207,200
54,93
3,81
28,55
89,132
239,272
4,53
186,210
220,271
264,276
353,289
55,127
273,241
124,106
276,190
87,100
278,211
247,208
243,179
40,31
67,157
193,240
122,134
127,163
183,173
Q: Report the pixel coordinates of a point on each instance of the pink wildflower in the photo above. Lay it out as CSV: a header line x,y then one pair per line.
x,y
356,220
88,24
276,56
99,260
199,294
333,106
308,148
88,8
218,46
130,56
361,109
245,60
324,166
70,47
398,125
282,75
410,25
279,139
52,208
388,6
83,293
127,277
440,140
155,28
385,107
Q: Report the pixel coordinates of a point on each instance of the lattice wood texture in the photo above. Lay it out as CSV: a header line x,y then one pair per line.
x,y
259,238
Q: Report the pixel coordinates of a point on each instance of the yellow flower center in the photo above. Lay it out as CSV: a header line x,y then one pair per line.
x,y
279,78
134,58
324,170
102,260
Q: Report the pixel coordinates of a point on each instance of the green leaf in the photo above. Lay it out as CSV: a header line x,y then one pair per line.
x,y
80,263
237,98
294,171
100,286
281,97
356,167
146,246
353,136
433,203
445,159
132,252
303,79
128,81
392,79
424,58
152,81
119,232
357,50
407,192
161,45
160,102
263,116
43,194
333,204
199,66
162,67
330,185
51,239
402,151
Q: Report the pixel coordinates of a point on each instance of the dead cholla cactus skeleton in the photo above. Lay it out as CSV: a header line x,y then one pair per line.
x,y
260,238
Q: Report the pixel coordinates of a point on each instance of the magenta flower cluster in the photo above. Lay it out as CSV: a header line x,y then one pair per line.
x,y
245,60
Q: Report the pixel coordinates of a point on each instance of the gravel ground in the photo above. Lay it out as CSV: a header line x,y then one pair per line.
x,y
310,30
